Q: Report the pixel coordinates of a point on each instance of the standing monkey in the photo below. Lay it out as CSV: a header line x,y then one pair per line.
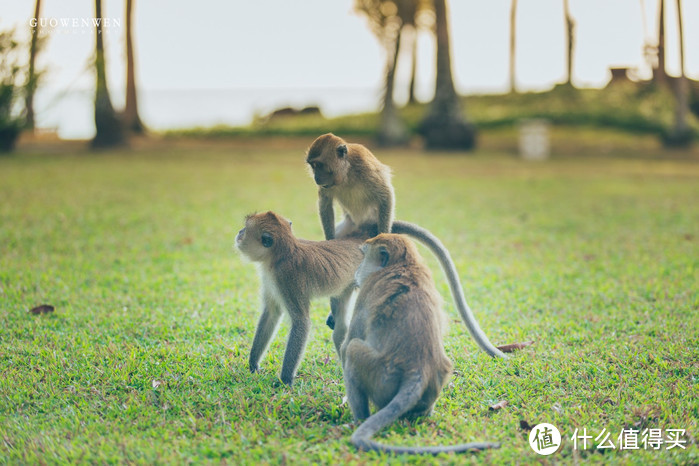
x,y
292,272
351,175
393,355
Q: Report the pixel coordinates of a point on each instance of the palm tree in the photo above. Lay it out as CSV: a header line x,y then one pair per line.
x,y
415,16
445,126
32,75
109,130
386,24
132,121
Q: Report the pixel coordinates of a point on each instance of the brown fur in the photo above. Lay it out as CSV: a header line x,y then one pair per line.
x,y
292,273
393,355
352,176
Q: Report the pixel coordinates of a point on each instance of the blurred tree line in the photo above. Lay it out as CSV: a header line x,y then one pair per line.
x,y
445,125
111,127
395,23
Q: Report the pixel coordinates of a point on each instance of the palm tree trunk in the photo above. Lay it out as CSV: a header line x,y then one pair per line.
x,y
444,87
132,121
659,74
570,31
391,65
513,42
108,128
392,131
413,70
31,78
681,38
445,126
681,135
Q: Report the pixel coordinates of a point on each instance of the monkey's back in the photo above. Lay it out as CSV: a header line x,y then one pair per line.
x,y
367,186
329,265
407,333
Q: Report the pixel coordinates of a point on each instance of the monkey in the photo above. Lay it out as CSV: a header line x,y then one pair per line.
x,y
293,272
393,355
361,184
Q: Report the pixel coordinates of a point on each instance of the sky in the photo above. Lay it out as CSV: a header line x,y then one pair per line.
x,y
310,44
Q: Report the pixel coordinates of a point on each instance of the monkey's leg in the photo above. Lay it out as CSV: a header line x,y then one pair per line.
x,y
366,378
343,229
298,336
356,396
339,309
266,327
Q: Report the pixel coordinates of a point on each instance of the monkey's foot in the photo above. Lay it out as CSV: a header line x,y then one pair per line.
x,y
289,381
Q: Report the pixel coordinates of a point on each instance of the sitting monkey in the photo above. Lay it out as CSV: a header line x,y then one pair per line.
x,y
393,355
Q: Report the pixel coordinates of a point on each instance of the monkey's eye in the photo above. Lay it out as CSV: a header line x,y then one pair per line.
x,y
266,240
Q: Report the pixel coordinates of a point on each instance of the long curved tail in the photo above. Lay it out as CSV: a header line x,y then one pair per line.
x,y
438,249
407,397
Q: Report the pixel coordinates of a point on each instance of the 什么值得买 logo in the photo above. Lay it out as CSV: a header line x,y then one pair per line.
x,y
545,439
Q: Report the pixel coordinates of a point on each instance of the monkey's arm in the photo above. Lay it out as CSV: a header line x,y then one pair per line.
x,y
267,325
327,213
298,336
438,249
357,328
386,202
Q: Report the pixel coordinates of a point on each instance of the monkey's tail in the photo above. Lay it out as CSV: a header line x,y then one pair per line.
x,y
438,249
407,397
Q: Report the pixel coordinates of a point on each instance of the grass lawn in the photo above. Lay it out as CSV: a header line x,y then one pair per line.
x,y
145,357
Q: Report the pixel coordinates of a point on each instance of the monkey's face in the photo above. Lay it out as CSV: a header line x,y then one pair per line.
x,y
249,243
257,239
327,158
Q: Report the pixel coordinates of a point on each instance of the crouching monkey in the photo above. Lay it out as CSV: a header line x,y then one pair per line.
x,y
393,355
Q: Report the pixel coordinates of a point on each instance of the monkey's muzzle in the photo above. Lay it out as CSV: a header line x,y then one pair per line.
x,y
239,237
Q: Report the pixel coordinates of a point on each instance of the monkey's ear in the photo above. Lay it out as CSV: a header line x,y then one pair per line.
x,y
341,150
267,240
384,256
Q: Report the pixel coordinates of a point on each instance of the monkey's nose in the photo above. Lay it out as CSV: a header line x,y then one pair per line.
x,y
239,236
